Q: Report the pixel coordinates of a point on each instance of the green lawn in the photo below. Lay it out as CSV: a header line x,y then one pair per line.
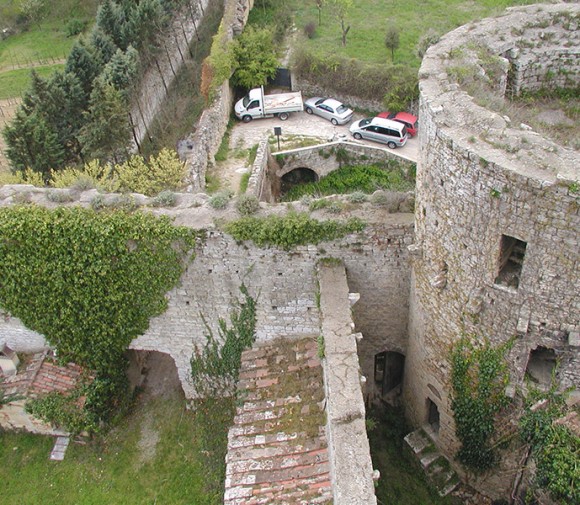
x,y
42,44
126,467
369,20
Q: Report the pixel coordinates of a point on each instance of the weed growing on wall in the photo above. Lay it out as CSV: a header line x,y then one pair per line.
x,y
479,376
215,368
361,178
290,230
555,449
89,282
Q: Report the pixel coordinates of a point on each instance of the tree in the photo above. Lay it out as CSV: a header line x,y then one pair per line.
x,y
32,144
392,40
319,5
103,46
342,11
254,58
111,20
144,22
107,130
82,63
122,70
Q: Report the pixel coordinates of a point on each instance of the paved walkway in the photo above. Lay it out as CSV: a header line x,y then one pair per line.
x,y
277,448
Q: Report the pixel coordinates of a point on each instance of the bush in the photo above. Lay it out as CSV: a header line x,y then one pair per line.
x,y
429,38
74,27
59,196
357,197
310,30
220,200
166,198
247,205
388,199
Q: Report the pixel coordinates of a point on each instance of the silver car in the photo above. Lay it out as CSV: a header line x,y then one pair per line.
x,y
392,133
328,108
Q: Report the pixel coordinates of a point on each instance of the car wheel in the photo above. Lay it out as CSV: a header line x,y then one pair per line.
x,y
247,119
357,136
334,121
392,145
308,110
283,116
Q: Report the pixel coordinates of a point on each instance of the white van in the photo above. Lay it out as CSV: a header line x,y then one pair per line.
x,y
392,133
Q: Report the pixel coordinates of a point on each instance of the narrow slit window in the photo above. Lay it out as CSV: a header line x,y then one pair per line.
x,y
511,260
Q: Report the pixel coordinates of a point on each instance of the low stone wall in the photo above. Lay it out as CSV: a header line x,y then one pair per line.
x,y
312,89
348,445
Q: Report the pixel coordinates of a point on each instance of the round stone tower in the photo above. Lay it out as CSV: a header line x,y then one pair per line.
x,y
497,214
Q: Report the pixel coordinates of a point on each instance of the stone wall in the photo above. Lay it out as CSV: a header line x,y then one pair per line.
x,y
212,124
470,192
313,89
173,52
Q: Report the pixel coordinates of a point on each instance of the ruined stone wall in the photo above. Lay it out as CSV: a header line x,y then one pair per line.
x,y
284,284
471,190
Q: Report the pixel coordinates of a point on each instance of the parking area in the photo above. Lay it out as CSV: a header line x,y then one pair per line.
x,y
246,135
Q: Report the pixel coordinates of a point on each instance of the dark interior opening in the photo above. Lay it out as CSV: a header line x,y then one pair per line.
x,y
541,365
296,177
511,260
389,370
432,415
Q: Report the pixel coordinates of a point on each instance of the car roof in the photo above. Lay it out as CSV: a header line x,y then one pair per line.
x,y
403,116
387,123
332,102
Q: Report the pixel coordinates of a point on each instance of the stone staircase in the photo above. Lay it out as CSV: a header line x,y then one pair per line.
x,y
434,464
277,448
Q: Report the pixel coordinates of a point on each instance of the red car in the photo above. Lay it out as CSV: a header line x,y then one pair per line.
x,y
407,119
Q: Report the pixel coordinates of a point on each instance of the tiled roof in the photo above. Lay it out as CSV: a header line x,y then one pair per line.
x,y
277,448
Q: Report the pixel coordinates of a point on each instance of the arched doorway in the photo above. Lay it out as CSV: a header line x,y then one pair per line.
x,y
154,372
389,371
296,177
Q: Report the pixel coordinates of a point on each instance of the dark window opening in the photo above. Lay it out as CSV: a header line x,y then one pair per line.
x,y
389,369
432,415
541,365
511,260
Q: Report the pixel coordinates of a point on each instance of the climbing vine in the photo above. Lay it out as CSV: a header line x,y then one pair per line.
x,y
555,449
290,230
479,377
217,365
89,282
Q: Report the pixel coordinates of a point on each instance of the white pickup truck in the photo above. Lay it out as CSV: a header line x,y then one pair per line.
x,y
257,105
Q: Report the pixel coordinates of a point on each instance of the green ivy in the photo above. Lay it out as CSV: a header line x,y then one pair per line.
x,y
556,450
89,282
290,230
218,364
479,377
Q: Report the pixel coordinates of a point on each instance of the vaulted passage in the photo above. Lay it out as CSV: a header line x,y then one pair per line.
x,y
296,177
541,364
389,370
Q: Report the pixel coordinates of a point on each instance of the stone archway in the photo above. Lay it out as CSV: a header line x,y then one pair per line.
x,y
295,177
155,373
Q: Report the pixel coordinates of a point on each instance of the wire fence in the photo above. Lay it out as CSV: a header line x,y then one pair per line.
x,y
15,61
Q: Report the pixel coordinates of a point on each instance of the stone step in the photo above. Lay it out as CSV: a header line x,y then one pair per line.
x,y
417,440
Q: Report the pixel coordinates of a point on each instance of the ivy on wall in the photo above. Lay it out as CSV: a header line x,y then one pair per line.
x,y
555,448
215,368
290,230
479,376
89,282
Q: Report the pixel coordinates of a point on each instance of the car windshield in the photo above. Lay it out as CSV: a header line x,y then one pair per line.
x,y
341,109
364,122
246,101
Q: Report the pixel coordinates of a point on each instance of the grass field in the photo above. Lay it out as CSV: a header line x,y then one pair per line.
x,y
369,20
41,44
162,454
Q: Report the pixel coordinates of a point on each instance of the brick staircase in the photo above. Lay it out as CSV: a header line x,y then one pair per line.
x,y
277,448
434,464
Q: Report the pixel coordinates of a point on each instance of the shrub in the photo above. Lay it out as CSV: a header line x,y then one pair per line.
x,y
290,230
388,199
247,205
56,196
429,38
310,29
74,27
220,200
166,198
357,197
